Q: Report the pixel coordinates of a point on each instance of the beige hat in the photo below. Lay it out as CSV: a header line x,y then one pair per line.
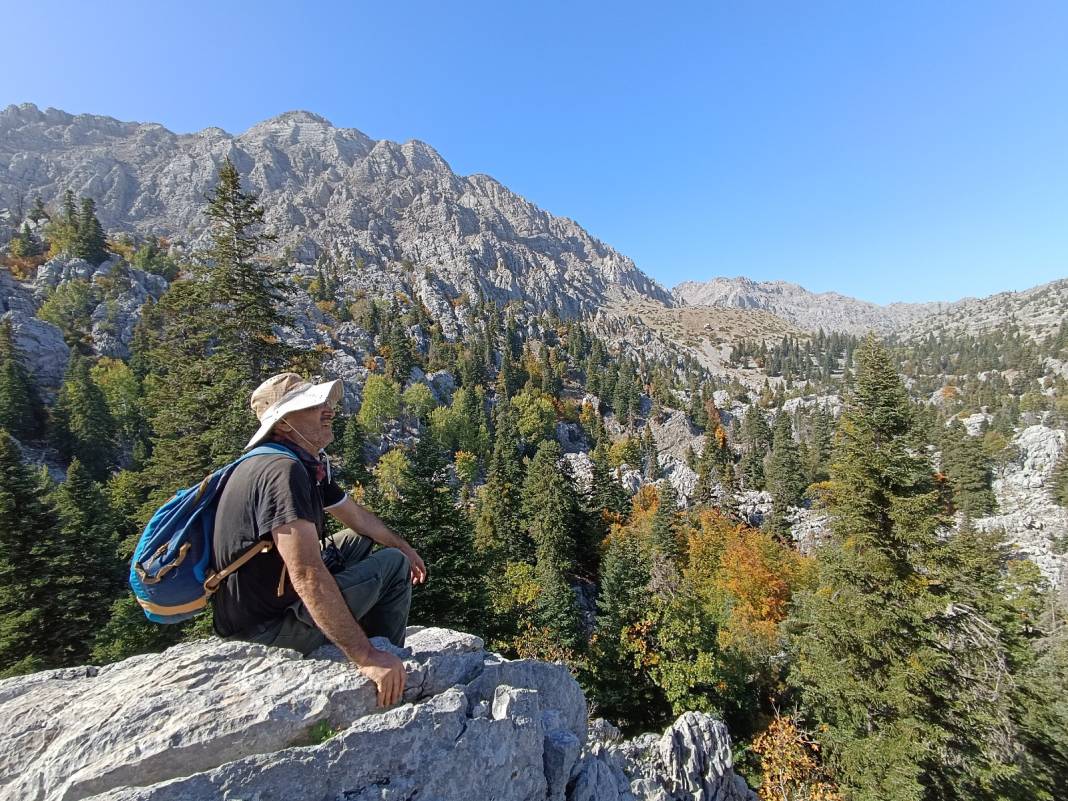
x,y
284,393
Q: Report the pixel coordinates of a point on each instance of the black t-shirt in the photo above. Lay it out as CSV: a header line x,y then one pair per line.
x,y
263,492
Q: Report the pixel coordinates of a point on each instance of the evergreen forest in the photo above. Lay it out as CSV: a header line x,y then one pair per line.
x,y
902,652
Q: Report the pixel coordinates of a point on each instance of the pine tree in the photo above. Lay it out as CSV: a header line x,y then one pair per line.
x,y
549,508
247,289
499,531
29,607
875,638
90,243
784,478
424,512
82,425
757,438
21,410
87,526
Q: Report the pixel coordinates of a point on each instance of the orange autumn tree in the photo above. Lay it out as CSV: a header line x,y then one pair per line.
x,y
715,639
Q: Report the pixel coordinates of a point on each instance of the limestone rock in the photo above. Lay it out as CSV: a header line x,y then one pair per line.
x,y
1026,512
691,761
42,347
214,719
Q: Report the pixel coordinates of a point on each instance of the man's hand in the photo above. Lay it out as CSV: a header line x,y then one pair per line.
x,y
298,545
416,564
387,672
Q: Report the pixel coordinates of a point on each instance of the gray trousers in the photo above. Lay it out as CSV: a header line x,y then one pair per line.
x,y
376,586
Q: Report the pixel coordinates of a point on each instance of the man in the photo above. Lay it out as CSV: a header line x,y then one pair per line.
x,y
289,596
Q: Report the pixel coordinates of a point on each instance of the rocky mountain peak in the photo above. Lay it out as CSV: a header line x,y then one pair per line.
x,y
326,190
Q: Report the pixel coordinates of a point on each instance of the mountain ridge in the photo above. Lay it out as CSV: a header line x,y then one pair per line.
x,y
328,192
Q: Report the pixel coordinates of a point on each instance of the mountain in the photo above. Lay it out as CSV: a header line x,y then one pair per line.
x,y
379,206
1038,312
808,310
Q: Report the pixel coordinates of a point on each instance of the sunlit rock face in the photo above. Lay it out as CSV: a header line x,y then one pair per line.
x,y
214,719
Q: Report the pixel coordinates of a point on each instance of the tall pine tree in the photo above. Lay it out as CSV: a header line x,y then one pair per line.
x,y
876,639
82,425
550,510
785,480
21,410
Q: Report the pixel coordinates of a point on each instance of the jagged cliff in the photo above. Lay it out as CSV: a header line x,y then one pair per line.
x,y
213,719
377,207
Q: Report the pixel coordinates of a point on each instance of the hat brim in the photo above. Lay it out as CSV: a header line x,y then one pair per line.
x,y
328,392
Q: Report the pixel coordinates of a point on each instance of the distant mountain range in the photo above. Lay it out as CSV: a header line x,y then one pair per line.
x,y
402,220
808,310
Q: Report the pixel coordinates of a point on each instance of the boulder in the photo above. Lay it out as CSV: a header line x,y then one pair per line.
x,y
42,346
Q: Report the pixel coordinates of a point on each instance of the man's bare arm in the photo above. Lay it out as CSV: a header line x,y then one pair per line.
x,y
298,545
365,522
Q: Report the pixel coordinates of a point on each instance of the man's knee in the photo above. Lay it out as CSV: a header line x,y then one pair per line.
x,y
397,562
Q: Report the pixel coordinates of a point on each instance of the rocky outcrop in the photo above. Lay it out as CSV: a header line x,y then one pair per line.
x,y
1026,511
215,719
39,343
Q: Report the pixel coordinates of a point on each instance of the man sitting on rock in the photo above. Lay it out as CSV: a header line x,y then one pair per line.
x,y
302,592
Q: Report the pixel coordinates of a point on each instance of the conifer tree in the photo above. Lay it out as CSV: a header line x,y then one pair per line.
x,y
82,425
819,449
210,342
757,438
969,471
352,458
650,463
248,289
874,639
1059,488
25,243
62,230
424,512
30,608
90,243
662,530
784,478
549,507
87,527
622,600
38,212
499,530
21,410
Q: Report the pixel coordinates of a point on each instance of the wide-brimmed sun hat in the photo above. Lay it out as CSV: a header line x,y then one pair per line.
x,y
284,393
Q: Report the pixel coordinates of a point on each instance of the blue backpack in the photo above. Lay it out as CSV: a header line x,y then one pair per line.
x,y
169,571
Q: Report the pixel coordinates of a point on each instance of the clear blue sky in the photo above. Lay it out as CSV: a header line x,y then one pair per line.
x,y
891,151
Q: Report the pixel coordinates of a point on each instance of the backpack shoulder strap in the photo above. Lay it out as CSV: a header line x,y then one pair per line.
x,y
270,449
